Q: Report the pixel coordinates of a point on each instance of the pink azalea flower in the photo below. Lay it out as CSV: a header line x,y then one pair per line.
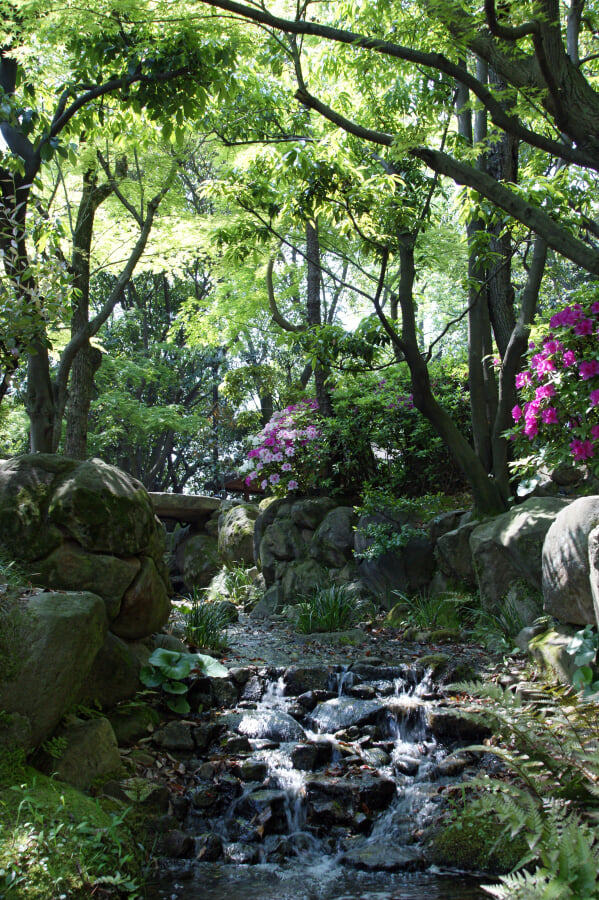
x,y
588,368
264,484
286,467
582,449
275,477
292,486
544,367
544,392
531,427
549,416
569,359
516,413
522,379
594,398
584,326
553,346
595,431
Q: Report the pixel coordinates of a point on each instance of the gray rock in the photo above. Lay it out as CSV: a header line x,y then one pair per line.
x,y
236,534
91,752
175,844
198,559
299,679
175,735
333,541
302,578
567,560
304,756
454,557
224,691
342,712
208,847
373,857
451,724
59,635
114,675
274,725
309,513
146,604
184,507
509,547
549,650
282,541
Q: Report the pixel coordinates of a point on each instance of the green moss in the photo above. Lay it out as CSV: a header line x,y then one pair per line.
x,y
477,845
437,662
55,841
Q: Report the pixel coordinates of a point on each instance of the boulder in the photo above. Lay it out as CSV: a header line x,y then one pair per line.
x,y
268,513
87,525
272,724
114,675
454,557
145,607
509,547
333,541
568,556
236,534
198,560
282,541
404,571
90,752
184,508
310,512
58,641
342,712
550,652
300,579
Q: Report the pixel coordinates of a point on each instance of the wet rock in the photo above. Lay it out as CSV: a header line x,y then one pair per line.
x,y
252,770
224,692
275,725
342,712
319,787
362,692
406,765
263,744
180,806
253,689
451,724
299,679
207,770
380,857
204,734
208,847
453,765
200,693
175,735
242,854
375,757
176,844
204,797
240,674
324,813
367,671
374,791
267,808
236,744
283,850
304,756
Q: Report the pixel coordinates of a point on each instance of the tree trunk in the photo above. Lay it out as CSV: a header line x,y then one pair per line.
x,y
313,314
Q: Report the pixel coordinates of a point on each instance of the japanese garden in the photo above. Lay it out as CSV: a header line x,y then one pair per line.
x,y
299,449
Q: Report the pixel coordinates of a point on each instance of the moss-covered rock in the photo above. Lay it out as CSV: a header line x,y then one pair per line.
x,y
236,534
476,844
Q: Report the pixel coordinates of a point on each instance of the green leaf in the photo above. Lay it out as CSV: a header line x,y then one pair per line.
x,y
210,666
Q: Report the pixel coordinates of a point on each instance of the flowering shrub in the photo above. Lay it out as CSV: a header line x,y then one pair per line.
x,y
288,451
559,410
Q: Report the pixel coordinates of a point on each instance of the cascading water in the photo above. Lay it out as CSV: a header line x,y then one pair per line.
x,y
331,808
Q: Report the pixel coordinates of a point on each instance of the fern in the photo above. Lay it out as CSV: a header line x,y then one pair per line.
x,y
549,742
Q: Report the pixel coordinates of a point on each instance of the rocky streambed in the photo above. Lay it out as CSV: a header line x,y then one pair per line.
x,y
308,781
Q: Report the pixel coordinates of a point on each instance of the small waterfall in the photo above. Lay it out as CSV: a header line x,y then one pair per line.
x,y
325,799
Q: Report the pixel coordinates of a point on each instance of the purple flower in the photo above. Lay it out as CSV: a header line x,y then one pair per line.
x,y
264,484
522,379
531,427
292,486
594,398
569,359
544,392
582,449
549,416
584,326
588,368
286,467
516,413
595,431
274,478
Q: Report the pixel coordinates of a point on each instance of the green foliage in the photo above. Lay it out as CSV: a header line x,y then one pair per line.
x,y
55,842
425,611
583,647
377,415
206,622
55,746
550,745
328,609
168,670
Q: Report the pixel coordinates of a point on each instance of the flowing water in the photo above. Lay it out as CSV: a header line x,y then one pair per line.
x,y
298,834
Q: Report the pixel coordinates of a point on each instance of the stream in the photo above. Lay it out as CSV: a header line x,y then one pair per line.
x,y
320,783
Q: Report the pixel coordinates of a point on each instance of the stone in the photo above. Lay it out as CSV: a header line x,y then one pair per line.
x,y
454,557
114,675
274,725
252,770
299,679
405,570
208,847
184,508
304,756
61,636
333,541
373,857
198,560
509,547
452,725
169,642
309,513
176,735
131,725
549,650
282,541
71,568
268,513
224,691
146,605
242,854
204,734
342,712
91,752
236,534
175,844
568,556
270,603
302,578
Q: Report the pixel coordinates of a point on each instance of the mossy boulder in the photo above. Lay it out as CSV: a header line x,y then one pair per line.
x,y
201,560
86,526
236,534
59,636
475,844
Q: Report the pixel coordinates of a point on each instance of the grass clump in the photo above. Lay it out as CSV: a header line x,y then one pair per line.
x,y
206,623
55,842
328,609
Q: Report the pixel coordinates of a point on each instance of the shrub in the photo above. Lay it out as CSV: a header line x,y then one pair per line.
x,y
557,418
206,623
